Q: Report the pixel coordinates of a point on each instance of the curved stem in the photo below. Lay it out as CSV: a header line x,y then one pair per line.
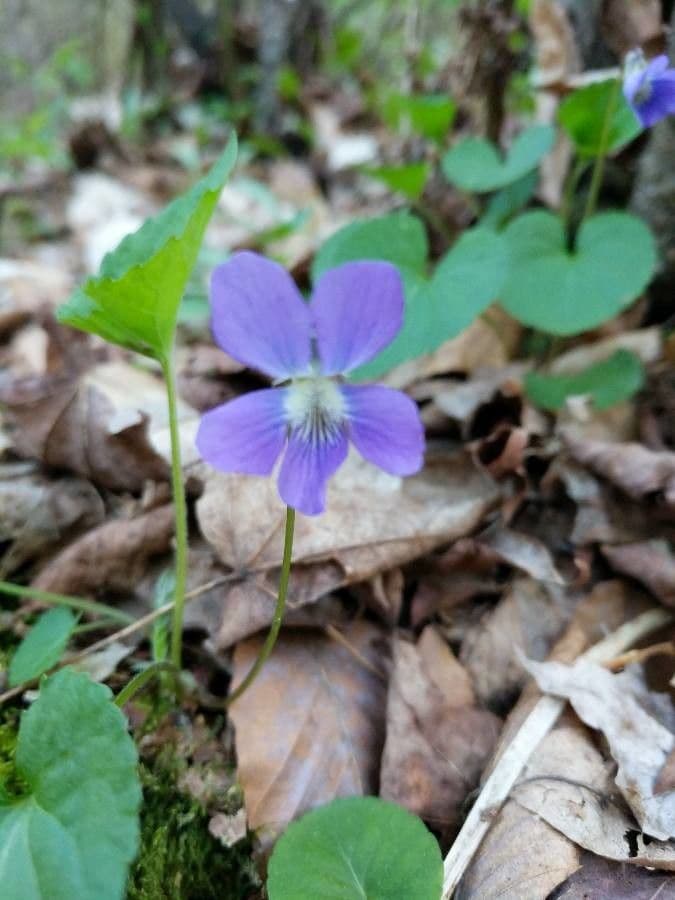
x,y
180,513
139,681
79,603
599,167
273,633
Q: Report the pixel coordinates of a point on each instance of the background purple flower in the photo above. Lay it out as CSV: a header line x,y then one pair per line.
x,y
261,319
649,87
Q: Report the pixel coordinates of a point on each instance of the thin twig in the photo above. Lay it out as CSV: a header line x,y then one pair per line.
x,y
665,648
514,758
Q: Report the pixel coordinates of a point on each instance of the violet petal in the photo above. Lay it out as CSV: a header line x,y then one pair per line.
x,y
259,316
385,428
245,435
357,310
305,471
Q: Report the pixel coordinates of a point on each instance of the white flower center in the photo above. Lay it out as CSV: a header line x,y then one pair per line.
x,y
315,407
634,65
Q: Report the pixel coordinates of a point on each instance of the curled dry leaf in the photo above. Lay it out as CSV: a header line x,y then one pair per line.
x,y
528,618
373,522
108,425
637,741
646,343
113,556
627,24
462,401
477,346
602,879
633,468
650,562
312,724
522,551
36,513
438,740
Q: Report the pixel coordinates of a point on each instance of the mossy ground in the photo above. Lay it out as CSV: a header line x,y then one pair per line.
x,y
179,859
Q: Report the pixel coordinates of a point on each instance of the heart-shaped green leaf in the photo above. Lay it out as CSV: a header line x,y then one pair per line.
x,y
356,847
43,646
408,180
598,114
563,292
466,281
74,835
429,115
608,382
398,238
476,165
134,299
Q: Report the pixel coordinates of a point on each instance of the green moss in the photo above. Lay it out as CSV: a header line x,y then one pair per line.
x,y
179,859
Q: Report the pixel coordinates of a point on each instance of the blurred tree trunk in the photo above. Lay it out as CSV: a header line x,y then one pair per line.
x,y
654,191
290,32
149,43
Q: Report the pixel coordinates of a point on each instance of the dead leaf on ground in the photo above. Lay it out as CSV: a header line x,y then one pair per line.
x,y
462,401
312,724
25,287
36,513
633,468
627,24
637,741
113,556
373,522
108,425
438,740
477,346
650,562
522,551
603,879
647,344
528,618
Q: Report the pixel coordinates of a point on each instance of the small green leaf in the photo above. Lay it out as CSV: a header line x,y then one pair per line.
x,y
429,115
584,113
475,164
74,835
356,847
408,180
398,238
134,300
466,281
608,382
43,646
509,201
563,292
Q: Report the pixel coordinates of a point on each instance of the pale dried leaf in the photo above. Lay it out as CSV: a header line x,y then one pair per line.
x,y
437,739
311,725
637,741
527,620
602,879
634,469
650,562
113,556
373,521
229,830
647,344
524,552
627,24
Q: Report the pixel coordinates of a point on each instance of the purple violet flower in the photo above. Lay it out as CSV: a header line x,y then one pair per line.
x,y
649,87
260,318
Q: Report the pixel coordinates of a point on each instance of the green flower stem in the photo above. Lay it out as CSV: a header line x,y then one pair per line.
x,y
273,633
180,513
79,603
599,167
139,681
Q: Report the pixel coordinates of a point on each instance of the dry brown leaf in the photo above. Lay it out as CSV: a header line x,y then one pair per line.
x,y
527,620
109,425
25,287
311,725
627,24
373,522
633,468
647,344
650,562
437,739
36,513
637,741
523,551
477,346
557,53
602,879
113,556
462,401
